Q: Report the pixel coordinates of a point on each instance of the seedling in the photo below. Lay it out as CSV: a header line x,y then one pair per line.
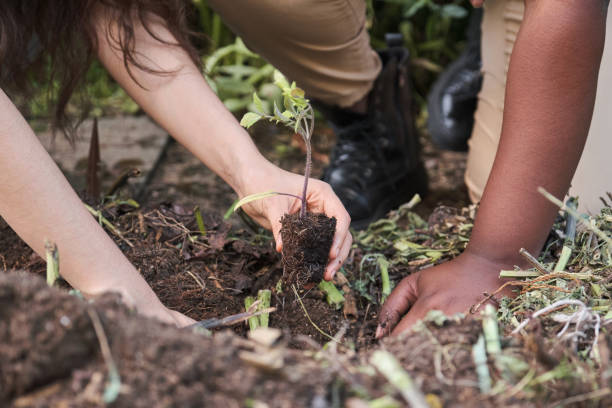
x,y
307,237
299,117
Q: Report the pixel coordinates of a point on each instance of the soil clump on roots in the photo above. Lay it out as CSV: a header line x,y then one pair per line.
x,y
306,244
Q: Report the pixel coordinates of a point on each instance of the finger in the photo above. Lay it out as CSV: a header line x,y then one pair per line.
x,y
343,222
477,3
417,312
276,227
335,263
398,302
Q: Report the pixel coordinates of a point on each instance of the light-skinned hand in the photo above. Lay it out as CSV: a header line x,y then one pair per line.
x,y
320,198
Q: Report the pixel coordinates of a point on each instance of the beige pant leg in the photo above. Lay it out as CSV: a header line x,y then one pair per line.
x,y
500,25
501,22
323,45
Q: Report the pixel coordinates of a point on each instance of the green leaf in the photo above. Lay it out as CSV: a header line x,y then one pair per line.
x,y
281,81
249,119
258,103
253,197
454,11
236,104
415,8
333,295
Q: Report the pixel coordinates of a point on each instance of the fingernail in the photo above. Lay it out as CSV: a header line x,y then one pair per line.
x,y
379,332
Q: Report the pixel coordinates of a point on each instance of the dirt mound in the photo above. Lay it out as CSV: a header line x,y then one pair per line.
x,y
50,354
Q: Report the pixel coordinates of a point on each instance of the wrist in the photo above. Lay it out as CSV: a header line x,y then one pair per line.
x,y
254,175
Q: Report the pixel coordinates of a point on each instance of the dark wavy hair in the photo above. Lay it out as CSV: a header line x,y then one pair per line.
x,y
55,41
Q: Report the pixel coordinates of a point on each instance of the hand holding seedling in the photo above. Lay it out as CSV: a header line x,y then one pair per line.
x,y
287,193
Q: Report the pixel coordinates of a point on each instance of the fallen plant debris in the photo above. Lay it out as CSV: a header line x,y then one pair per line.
x,y
549,346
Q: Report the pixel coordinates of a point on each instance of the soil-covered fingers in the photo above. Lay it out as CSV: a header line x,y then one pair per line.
x,y
333,208
398,303
336,262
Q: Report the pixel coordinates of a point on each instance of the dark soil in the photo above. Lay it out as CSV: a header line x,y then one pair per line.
x,y
50,357
306,244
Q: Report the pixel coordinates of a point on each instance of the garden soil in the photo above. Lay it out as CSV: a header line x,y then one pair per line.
x,y
52,354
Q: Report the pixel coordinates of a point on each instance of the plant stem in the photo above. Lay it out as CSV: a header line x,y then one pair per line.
x,y
306,135
306,176
52,263
333,295
253,321
264,296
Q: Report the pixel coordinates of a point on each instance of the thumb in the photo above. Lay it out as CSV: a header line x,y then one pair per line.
x,y
276,228
400,300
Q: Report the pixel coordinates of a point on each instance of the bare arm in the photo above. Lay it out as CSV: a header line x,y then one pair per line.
x,y
184,105
37,202
550,95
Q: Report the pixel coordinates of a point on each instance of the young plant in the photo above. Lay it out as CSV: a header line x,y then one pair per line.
x,y
307,237
298,115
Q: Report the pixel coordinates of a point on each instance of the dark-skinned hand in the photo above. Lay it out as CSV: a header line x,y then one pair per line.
x,y
452,287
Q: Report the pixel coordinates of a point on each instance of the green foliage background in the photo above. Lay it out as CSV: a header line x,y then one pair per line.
x,y
433,31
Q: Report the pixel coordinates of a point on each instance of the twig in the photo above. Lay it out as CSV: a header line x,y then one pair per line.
x,y
122,179
308,316
578,216
570,235
393,371
113,385
584,397
198,281
107,223
533,261
230,320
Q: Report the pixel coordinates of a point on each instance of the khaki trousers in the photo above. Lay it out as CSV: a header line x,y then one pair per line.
x,y
321,44
593,178
324,46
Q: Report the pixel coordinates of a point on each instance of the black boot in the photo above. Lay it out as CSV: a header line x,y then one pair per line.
x,y
453,97
375,165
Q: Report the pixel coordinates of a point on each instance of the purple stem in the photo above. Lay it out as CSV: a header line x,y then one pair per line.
x,y
306,176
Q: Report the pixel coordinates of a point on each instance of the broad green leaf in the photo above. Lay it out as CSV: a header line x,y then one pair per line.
x,y
253,197
237,70
454,11
236,104
280,80
249,119
258,103
233,86
415,8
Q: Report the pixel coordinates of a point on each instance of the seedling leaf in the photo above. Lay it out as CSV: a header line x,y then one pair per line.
x,y
245,200
249,119
258,103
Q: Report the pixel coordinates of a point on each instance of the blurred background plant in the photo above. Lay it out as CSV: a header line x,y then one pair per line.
x,y
433,31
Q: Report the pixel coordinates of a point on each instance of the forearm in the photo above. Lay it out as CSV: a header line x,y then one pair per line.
x,y
183,104
38,203
550,94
